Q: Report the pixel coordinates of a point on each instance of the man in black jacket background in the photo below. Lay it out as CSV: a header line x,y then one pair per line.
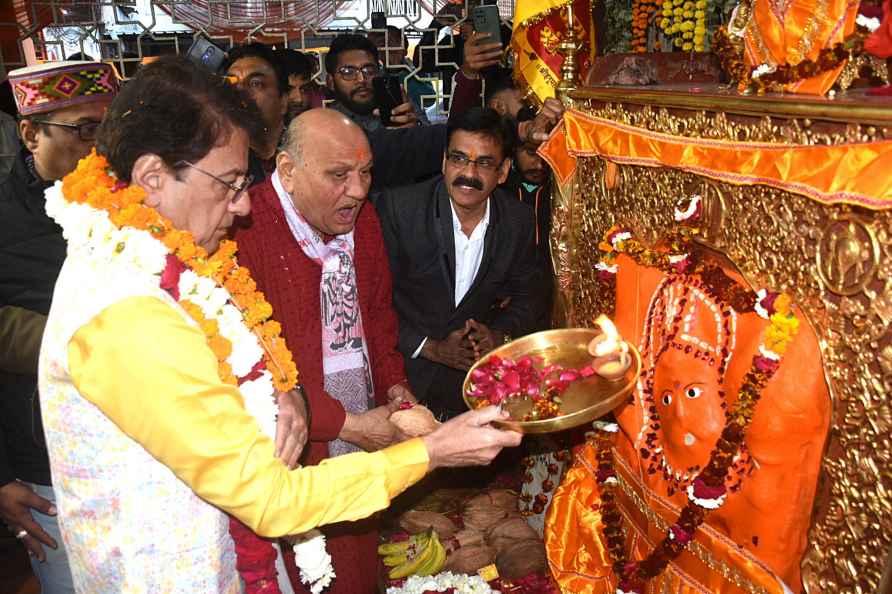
x,y
458,250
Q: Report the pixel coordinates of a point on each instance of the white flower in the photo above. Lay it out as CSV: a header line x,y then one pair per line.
x,y
605,426
871,24
768,353
611,268
313,560
762,70
760,295
677,258
246,349
706,503
619,237
463,584
260,402
691,210
611,481
144,251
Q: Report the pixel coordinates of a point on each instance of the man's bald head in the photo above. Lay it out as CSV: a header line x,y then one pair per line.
x,y
326,168
325,126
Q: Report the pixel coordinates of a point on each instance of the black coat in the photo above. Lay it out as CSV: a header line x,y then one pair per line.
x,y
32,251
418,230
539,200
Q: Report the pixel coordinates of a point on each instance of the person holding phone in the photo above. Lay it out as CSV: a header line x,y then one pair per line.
x,y
353,64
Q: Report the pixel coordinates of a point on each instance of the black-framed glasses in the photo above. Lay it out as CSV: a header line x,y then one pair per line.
x,y
461,160
237,187
86,131
349,73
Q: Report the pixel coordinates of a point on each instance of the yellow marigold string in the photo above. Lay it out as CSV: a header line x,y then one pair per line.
x,y
219,344
92,183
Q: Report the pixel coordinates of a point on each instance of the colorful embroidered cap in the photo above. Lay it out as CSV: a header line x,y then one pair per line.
x,y
54,85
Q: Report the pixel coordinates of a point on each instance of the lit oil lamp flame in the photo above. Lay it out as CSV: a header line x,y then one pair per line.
x,y
610,351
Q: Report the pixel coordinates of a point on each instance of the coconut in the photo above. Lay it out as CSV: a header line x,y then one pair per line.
x,y
469,537
502,499
521,558
414,521
470,559
416,421
509,531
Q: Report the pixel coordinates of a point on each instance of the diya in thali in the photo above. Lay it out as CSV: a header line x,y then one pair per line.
x,y
557,379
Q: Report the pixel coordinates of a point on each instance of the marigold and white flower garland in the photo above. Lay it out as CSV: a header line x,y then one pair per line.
x,y
107,224
443,582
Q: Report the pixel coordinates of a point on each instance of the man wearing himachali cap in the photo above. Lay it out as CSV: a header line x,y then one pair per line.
x,y
60,105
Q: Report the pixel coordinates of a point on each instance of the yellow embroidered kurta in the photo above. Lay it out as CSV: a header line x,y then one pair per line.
x,y
147,446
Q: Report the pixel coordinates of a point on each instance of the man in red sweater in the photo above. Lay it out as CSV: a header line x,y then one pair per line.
x,y
319,257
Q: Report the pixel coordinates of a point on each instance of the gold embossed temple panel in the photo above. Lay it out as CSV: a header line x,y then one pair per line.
x,y
781,205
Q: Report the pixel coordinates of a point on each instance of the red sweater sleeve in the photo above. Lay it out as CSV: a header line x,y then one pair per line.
x,y
379,319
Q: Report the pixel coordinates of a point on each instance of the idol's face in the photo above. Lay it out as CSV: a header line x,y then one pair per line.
x,y
688,400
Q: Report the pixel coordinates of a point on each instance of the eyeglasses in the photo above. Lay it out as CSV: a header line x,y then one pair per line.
x,y
349,73
85,131
461,161
237,187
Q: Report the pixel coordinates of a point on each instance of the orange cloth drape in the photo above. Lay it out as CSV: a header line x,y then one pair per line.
x,y
577,552
847,173
787,33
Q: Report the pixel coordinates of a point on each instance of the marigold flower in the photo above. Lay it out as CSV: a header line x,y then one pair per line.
x,y
221,347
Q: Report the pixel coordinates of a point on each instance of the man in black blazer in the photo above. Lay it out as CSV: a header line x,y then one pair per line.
x,y
463,260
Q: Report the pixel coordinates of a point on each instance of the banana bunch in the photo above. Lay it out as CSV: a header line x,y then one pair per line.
x,y
422,554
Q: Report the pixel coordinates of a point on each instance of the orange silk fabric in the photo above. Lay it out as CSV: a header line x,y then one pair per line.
x,y
581,563
788,32
847,173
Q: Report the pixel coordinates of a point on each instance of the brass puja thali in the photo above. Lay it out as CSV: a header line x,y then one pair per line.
x,y
582,399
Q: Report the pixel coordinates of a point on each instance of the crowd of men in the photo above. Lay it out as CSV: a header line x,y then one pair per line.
x,y
380,303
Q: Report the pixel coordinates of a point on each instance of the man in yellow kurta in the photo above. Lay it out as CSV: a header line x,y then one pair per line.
x,y
147,443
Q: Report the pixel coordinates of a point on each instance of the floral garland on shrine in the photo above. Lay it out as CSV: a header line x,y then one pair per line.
x,y
768,77
708,489
106,221
685,21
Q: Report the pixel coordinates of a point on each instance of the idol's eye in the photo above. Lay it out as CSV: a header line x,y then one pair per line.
x,y
667,398
693,392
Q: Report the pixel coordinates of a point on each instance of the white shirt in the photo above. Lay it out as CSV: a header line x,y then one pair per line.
x,y
468,252
468,255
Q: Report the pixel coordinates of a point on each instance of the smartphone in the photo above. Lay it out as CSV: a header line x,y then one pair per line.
x,y
486,20
379,20
205,54
388,95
